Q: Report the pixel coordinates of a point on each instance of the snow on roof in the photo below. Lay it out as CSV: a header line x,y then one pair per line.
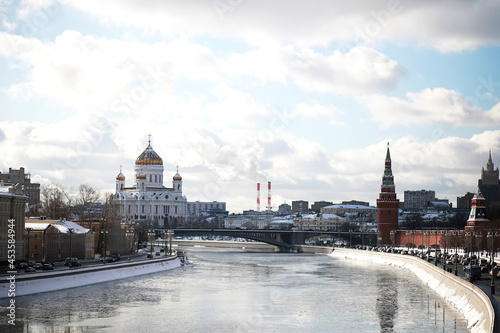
x,y
64,227
36,226
330,216
341,206
282,221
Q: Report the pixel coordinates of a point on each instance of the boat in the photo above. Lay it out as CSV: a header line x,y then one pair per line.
x,y
27,284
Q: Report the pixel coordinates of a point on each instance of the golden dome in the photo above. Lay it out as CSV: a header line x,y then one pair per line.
x,y
149,157
120,176
141,175
177,176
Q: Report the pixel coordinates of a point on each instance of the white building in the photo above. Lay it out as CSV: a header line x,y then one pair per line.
x,y
197,207
147,199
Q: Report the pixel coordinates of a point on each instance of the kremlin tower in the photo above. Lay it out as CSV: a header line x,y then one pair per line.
x,y
477,217
387,205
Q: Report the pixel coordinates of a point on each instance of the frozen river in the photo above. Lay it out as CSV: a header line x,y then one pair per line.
x,y
237,291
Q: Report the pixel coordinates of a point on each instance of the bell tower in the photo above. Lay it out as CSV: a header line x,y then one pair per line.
x,y
387,205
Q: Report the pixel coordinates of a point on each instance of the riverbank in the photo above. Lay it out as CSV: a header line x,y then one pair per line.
x,y
471,301
33,283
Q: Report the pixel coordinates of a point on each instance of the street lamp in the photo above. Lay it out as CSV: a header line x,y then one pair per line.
x,y
456,251
28,254
444,254
104,234
70,231
492,234
468,234
170,233
131,240
151,235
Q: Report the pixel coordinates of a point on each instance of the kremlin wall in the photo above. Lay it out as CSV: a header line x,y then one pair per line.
x,y
473,238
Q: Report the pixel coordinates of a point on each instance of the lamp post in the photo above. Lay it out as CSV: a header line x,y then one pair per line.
x,y
70,231
468,234
170,233
444,255
479,244
131,241
151,235
456,251
492,234
104,236
29,250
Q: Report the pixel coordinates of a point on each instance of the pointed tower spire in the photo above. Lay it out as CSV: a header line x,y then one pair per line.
x,y
387,206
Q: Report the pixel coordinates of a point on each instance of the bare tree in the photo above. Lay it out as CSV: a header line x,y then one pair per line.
x,y
86,201
56,202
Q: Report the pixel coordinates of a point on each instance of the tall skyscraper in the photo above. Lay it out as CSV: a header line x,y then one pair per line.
x,y
387,205
489,184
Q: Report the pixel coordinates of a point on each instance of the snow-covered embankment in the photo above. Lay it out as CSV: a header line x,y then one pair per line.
x,y
471,301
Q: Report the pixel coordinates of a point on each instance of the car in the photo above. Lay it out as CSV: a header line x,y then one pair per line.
x,y
157,253
22,265
29,269
75,263
47,267
31,263
150,255
37,266
47,262
70,260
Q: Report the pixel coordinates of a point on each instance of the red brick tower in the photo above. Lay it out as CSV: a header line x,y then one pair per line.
x,y
477,217
387,205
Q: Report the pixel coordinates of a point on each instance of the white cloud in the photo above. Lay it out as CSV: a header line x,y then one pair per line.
x,y
430,106
448,27
360,69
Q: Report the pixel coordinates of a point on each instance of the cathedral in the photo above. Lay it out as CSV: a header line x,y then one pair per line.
x,y
147,200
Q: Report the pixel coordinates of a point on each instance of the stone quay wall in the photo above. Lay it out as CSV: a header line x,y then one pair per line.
x,y
471,301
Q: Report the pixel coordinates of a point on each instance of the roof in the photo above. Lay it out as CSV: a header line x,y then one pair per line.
x,y
64,227
149,157
330,216
36,226
341,206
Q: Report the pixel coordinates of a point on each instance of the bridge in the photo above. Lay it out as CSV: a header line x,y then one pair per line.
x,y
285,240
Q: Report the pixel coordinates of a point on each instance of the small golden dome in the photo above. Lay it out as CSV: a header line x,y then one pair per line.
x,y
120,176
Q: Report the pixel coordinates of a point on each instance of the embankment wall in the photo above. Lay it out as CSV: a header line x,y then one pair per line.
x,y
471,301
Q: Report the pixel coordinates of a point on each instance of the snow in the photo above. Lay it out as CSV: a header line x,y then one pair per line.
x,y
465,297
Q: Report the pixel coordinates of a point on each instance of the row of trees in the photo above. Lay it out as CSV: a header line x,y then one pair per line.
x,y
58,202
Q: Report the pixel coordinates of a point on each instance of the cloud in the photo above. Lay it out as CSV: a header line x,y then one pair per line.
x,y
430,106
463,25
361,69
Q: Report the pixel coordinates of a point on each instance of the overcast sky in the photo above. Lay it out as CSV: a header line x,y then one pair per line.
x,y
305,94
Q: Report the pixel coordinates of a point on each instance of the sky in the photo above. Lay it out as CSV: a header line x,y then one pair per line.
x,y
305,94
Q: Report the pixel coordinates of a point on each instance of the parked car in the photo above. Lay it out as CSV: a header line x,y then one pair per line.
x,y
69,261
29,269
150,255
47,262
22,265
75,263
37,266
47,267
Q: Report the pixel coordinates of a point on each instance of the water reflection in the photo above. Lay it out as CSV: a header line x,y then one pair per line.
x,y
229,291
387,301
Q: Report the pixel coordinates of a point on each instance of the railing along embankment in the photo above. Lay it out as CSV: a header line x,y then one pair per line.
x,y
471,301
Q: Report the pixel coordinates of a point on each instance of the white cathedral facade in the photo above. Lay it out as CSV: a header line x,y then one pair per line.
x,y
147,199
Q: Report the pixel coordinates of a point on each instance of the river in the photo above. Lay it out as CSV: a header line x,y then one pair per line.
x,y
229,290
